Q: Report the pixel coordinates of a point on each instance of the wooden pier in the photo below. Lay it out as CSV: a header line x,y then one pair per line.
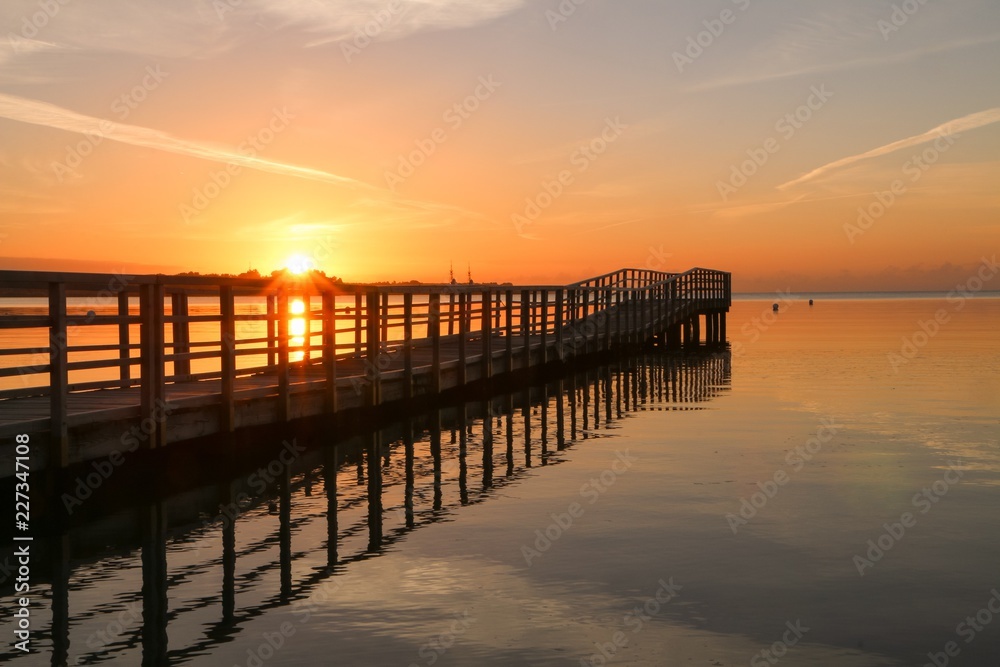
x,y
96,365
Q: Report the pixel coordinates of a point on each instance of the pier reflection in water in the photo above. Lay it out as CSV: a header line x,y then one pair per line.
x,y
164,582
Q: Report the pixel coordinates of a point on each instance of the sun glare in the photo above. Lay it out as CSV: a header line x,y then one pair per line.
x,y
298,264
298,307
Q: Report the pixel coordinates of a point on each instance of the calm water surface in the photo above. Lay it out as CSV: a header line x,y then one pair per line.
x,y
829,492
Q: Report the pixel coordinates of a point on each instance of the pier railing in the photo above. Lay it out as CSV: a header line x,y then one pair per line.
x,y
65,334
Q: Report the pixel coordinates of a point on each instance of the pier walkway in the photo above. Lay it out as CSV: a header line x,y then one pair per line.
x,y
91,364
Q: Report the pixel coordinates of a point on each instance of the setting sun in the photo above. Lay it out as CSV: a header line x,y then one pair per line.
x,y
299,264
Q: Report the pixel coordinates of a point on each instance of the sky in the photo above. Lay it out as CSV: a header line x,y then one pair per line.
x,y
799,144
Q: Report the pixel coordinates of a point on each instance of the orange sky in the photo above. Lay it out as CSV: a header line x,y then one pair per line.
x,y
212,136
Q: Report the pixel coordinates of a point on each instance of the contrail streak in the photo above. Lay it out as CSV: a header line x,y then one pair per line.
x,y
970,122
48,115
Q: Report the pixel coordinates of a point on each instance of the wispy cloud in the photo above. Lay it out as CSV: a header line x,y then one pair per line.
x,y
338,21
738,211
963,124
842,64
414,213
49,115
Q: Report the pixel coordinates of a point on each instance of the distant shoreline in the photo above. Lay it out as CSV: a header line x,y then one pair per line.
x,y
854,296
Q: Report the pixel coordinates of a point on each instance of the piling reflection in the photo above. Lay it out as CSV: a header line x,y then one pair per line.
x,y
337,504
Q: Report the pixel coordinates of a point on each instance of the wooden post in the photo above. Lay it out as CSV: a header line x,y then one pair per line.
x,y
434,324
639,308
358,306
660,308
272,339
545,326
58,377
124,353
330,348
373,352
285,534
227,308
330,485
487,335
374,470
526,326
307,327
463,334
283,384
408,346
571,331
559,324
385,318
182,335
451,313
632,317
606,319
618,318
228,496
509,332
152,392
154,583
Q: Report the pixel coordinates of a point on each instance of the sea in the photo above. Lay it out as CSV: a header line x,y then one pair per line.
x,y
824,490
